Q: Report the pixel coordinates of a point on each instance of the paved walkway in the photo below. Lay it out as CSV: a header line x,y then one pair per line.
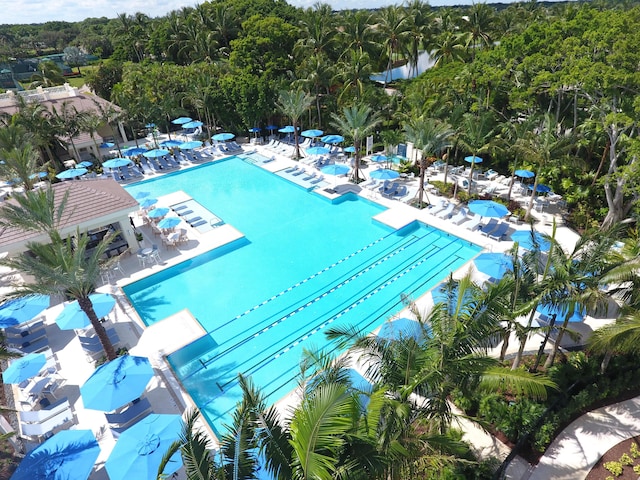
x,y
578,448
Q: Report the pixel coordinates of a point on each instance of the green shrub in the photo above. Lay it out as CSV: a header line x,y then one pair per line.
x,y
444,190
636,469
614,467
626,460
635,453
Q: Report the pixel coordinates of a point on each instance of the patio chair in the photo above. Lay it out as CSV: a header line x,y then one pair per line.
x,y
437,207
400,192
292,169
489,227
309,177
317,180
460,217
26,340
474,222
499,231
36,346
446,213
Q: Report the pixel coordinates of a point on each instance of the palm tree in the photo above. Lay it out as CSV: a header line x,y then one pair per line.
x,y
68,118
476,137
20,163
420,33
356,122
479,25
353,72
294,104
90,123
50,75
431,137
62,266
393,27
316,74
448,47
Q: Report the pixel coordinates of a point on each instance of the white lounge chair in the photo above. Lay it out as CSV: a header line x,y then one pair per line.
x,y
474,222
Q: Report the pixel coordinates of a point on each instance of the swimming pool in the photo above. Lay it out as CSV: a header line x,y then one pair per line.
x,y
305,264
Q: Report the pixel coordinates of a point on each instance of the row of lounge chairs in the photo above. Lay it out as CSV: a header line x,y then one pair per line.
x,y
493,229
27,338
392,190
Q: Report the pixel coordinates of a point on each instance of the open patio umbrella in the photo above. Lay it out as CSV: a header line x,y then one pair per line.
x,y
334,169
190,145
193,124
524,173
332,139
150,125
39,175
350,149
141,195
540,188
287,129
254,130
140,448
72,173
222,137
384,174
24,368
116,383
401,327
85,164
488,208
148,202
317,150
107,145
272,127
158,212
133,151
158,152
528,239
473,159
181,120
312,133
170,143
69,454
493,264
21,310
169,222
379,158
72,317
117,163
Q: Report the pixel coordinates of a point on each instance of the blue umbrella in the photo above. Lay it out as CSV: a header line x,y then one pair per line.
x,y
384,174
72,317
317,150
85,164
222,137
141,195
150,125
39,175
117,163
190,145
169,222
287,129
133,151
351,149
272,127
69,454
547,311
116,383
194,124
181,120
527,240
524,173
378,158
402,327
72,173
148,202
473,159
254,130
170,143
332,139
140,448
107,145
312,133
540,188
158,152
24,368
158,212
21,310
334,169
493,264
488,208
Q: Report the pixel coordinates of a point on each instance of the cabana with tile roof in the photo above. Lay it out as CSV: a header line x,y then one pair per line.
x,y
91,205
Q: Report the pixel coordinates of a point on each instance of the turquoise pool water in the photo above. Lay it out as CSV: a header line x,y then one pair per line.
x,y
305,264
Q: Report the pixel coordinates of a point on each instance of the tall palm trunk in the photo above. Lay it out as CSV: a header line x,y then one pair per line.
x,y
87,307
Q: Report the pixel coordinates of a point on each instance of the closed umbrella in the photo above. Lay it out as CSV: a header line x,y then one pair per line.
x,y
72,317
317,150
494,265
117,163
69,454
190,145
524,173
116,383
21,310
488,208
528,240
24,368
169,222
140,449
158,212
158,152
222,137
193,124
384,174
72,173
181,120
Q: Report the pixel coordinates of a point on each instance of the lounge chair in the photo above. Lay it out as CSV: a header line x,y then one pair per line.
x,y
25,340
474,222
36,346
489,227
499,231
309,177
446,213
24,329
460,217
317,180
400,192
131,414
437,207
291,169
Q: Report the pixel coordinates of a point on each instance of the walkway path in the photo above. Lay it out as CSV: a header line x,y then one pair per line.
x,y
577,449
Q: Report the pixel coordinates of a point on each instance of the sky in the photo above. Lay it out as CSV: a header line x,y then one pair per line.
x,y
40,11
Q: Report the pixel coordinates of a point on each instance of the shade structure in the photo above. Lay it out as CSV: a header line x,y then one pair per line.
x,y
528,240
272,127
351,149
473,159
190,145
24,368
332,139
193,124
69,454
222,137
158,212
384,174
524,173
254,130
116,383
312,133
547,311
139,450
181,120
117,162
493,264
334,169
169,222
399,328
170,143
72,173
107,145
287,129
21,310
540,188
72,317
488,208
148,202
317,150
141,195
158,152
379,158
85,164
133,151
